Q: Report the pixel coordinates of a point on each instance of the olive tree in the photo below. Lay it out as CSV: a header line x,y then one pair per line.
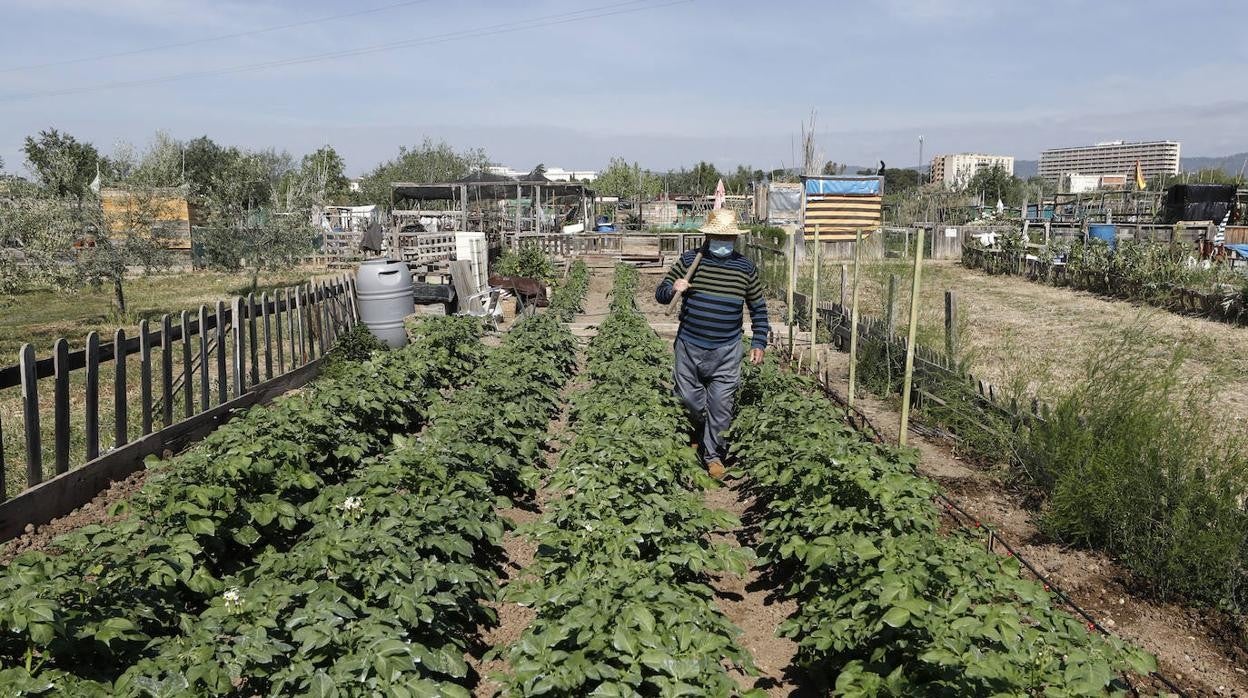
x,y
255,223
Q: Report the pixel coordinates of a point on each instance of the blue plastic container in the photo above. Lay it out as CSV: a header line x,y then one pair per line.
x,y
1106,232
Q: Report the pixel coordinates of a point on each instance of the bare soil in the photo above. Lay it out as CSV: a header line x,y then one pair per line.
x,y
754,606
519,550
1192,647
96,511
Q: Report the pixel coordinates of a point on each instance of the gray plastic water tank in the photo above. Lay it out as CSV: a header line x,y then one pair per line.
x,y
384,287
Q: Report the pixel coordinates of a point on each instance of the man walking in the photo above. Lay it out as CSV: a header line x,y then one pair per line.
x,y
708,355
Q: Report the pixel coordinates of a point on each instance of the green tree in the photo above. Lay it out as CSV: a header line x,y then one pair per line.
x,y
428,162
626,181
61,163
260,213
834,168
996,183
898,180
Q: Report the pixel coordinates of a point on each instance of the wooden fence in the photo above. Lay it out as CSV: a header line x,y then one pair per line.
x,y
569,244
200,367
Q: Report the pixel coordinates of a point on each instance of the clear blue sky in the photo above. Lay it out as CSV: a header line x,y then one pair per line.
x,y
723,80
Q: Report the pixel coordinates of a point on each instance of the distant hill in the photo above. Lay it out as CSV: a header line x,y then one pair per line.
x,y
1229,164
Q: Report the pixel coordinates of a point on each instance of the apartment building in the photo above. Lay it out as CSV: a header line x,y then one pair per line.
x,y
1112,158
955,171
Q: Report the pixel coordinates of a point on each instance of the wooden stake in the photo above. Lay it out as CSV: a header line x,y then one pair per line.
x,y
814,296
844,285
951,325
914,326
853,325
792,279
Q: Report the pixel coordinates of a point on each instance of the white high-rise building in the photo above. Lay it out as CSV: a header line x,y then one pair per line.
x,y
1113,158
955,171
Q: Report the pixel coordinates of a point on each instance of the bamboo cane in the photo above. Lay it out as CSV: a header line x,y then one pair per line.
x,y
914,325
853,325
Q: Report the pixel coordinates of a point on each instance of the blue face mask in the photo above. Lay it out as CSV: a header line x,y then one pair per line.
x,y
720,248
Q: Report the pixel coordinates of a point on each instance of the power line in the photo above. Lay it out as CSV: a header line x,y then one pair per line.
x,y
210,39
620,8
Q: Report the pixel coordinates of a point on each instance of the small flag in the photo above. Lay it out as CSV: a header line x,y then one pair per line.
x,y
720,195
1140,184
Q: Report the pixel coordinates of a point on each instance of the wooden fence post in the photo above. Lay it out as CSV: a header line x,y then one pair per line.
x,y
30,415
239,332
268,336
292,319
60,404
223,384
951,325
145,376
188,370
914,326
91,416
253,347
121,421
279,301
166,369
205,390
326,329
853,325
300,306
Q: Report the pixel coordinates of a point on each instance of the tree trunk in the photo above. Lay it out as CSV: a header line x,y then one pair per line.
x,y
255,279
119,295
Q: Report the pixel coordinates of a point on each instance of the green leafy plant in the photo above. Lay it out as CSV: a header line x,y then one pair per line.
x,y
529,261
886,604
621,590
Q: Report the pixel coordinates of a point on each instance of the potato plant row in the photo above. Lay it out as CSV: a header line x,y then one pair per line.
x,y
382,592
385,592
90,608
620,580
887,604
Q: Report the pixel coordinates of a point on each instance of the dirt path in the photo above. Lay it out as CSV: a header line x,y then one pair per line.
x,y
1191,650
754,606
749,602
520,551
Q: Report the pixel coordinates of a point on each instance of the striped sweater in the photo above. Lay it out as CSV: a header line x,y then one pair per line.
x,y
718,293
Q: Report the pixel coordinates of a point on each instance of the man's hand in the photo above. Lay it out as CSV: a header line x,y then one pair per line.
x,y
756,356
681,286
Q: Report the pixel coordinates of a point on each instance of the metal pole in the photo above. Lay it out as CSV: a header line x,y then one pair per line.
x,y
853,324
914,326
814,298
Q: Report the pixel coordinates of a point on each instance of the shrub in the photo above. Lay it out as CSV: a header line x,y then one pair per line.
x,y
1137,462
528,262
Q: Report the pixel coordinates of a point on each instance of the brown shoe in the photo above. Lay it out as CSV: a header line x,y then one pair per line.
x,y
715,469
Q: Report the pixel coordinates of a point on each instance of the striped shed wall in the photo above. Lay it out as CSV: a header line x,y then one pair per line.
x,y
839,206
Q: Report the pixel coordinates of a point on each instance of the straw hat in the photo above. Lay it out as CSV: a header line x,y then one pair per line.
x,y
721,221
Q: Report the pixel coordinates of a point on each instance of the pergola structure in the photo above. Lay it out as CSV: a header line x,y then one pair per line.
x,y
493,204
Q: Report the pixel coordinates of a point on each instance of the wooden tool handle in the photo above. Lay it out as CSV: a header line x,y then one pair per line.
x,y
697,259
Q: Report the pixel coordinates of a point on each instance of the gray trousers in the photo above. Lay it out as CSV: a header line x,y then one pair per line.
x,y
706,380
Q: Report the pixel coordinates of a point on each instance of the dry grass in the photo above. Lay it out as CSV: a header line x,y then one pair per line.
x,y
41,317
1028,336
